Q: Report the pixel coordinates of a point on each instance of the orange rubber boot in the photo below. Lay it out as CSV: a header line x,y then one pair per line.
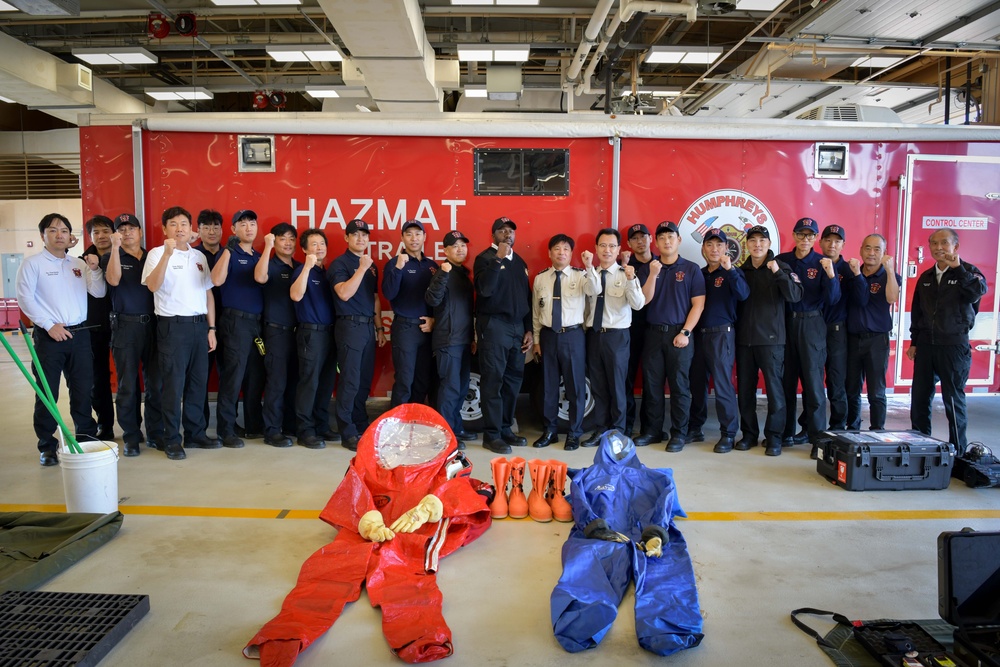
x,y
517,504
561,509
538,507
501,475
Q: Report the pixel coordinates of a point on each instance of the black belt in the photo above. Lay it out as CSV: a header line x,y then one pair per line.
x,y
609,329
563,329
314,327
356,318
233,312
78,327
871,334
834,326
665,328
411,320
184,318
797,315
142,319
724,327
275,325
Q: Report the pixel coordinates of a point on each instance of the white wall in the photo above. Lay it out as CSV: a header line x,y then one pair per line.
x,y
19,223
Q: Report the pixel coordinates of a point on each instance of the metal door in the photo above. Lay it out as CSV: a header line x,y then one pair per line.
x,y
11,263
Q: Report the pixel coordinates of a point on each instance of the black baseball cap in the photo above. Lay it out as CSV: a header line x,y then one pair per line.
x,y
502,222
806,224
411,223
244,214
638,229
451,238
834,229
759,229
127,219
667,226
716,233
357,225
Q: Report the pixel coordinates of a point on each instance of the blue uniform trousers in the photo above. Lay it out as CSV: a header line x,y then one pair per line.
x,y
356,359
453,363
867,362
608,356
240,359
74,359
281,366
714,356
501,369
662,363
411,361
317,377
133,342
564,354
805,358
182,346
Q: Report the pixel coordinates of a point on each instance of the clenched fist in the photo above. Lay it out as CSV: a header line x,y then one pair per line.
x,y
827,265
269,241
588,258
503,249
401,260
889,263
116,241
364,262
92,261
169,245
626,256
310,261
855,266
629,272
654,268
773,265
726,262
446,267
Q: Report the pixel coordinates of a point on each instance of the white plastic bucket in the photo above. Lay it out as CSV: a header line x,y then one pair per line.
x,y
90,480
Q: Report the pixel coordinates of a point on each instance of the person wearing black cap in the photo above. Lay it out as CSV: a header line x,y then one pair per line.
x,y
639,257
504,333
760,340
52,289
675,298
715,341
944,309
314,311
558,301
358,329
280,358
404,281
805,348
208,234
831,242
133,335
239,327
450,295
99,229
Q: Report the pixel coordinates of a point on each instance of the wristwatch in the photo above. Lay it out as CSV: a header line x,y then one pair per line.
x,y
686,332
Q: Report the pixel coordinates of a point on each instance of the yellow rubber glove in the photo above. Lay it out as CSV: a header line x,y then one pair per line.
x,y
372,527
428,509
654,547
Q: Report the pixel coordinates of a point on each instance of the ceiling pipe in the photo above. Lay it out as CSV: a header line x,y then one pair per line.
x,y
589,38
628,36
687,8
584,85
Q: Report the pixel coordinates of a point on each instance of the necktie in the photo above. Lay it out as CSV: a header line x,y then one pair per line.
x,y
599,308
557,301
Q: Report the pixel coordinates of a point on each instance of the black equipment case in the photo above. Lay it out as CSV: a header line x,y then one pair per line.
x,y
884,460
969,593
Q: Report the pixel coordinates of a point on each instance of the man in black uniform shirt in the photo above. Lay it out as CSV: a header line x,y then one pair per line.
x,y
100,228
640,241
133,335
209,235
504,334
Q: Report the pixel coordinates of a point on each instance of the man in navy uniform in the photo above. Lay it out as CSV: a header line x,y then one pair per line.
x,y
945,304
450,294
618,297
639,256
715,341
100,228
760,340
504,333
239,327
558,301
675,294
52,290
805,349
280,359
314,312
871,291
359,328
404,281
133,335
208,234
831,242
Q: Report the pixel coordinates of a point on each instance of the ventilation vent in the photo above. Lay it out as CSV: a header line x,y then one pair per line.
x,y
53,176
851,113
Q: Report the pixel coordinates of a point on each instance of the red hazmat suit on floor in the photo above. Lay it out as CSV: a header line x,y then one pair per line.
x,y
406,459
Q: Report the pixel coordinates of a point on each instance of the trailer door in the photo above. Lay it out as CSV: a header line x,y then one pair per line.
x,y
963,193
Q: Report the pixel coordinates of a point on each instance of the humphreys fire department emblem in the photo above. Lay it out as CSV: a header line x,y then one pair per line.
x,y
719,280
875,288
732,211
812,273
198,264
679,276
78,273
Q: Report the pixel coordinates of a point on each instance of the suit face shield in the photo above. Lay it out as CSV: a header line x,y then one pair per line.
x,y
405,443
621,446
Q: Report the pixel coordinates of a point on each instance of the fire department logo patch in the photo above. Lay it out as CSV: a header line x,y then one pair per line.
x,y
679,276
812,273
875,288
78,273
198,264
719,280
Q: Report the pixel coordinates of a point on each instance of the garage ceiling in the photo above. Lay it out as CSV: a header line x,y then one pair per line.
x,y
777,58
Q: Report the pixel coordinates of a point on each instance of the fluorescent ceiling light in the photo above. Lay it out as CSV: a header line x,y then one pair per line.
x,y
177,94
7,100
494,2
336,91
246,3
474,90
517,2
4,7
688,55
876,62
508,53
477,52
660,92
757,5
472,2
304,53
125,55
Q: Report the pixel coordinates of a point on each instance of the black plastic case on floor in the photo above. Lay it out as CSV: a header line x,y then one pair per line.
x,y
969,593
884,460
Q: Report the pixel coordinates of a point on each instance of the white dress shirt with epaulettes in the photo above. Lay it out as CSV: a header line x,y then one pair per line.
x,y
53,290
622,297
574,289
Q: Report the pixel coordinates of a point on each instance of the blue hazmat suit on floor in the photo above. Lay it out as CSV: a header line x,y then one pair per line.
x,y
623,515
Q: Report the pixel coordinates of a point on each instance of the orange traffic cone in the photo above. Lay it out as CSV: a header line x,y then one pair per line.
x,y
561,509
538,507
517,504
501,476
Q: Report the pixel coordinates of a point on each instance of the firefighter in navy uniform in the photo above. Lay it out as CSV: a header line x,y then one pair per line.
x,y
805,347
760,340
715,342
280,358
831,241
208,233
639,257
945,304
404,281
558,301
100,228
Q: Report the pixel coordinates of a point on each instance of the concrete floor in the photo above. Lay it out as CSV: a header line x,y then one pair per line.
x,y
201,537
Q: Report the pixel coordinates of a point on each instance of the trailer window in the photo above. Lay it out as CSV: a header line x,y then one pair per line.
x,y
522,171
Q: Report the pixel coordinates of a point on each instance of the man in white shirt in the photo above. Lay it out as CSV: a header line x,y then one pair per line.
x,y
181,282
52,290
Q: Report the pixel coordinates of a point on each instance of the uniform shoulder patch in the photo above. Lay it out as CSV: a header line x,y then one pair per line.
x,y
576,268
545,271
794,276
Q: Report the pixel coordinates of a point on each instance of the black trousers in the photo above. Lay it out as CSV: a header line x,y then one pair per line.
x,y
805,358
563,355
182,349
768,360
281,372
608,354
133,345
867,361
100,397
662,363
453,364
412,362
714,356
501,370
356,358
950,363
637,340
836,374
240,359
317,378
74,359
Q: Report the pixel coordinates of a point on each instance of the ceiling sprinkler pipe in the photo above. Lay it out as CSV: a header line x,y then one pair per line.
x,y
688,9
589,38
